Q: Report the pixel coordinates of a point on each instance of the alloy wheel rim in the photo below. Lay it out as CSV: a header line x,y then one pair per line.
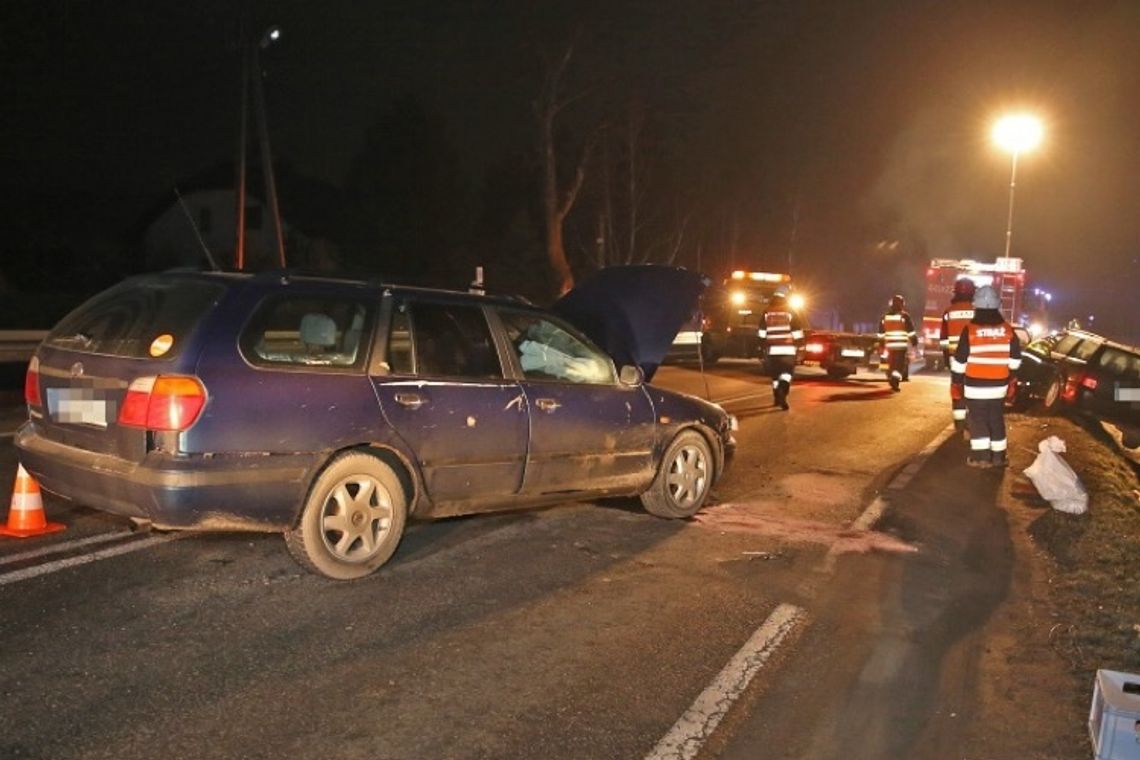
x,y
356,518
688,476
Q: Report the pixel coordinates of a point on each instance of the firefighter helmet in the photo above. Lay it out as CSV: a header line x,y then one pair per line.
x,y
964,289
986,297
780,294
898,303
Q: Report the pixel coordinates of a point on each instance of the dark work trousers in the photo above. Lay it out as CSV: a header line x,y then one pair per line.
x,y
781,369
897,365
986,419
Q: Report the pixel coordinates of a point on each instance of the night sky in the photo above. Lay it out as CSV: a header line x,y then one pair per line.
x,y
849,137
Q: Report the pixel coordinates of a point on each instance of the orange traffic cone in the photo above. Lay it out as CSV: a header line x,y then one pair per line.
x,y
26,518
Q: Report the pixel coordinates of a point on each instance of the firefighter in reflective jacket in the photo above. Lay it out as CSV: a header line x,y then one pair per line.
x,y
780,333
987,355
896,332
954,320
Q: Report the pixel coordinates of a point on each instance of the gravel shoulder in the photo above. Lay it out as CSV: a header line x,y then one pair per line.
x,y
1074,605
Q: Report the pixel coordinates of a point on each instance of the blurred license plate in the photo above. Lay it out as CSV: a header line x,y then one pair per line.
x,y
78,406
855,352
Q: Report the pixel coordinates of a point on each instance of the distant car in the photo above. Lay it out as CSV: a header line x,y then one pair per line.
x,y
334,410
1084,371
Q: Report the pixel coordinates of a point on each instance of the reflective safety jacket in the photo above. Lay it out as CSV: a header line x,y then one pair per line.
x,y
781,331
987,353
954,320
896,331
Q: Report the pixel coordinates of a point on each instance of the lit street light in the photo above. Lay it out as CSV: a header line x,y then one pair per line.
x,y
1016,134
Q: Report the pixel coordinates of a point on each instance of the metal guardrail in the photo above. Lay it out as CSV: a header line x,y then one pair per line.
x,y
18,345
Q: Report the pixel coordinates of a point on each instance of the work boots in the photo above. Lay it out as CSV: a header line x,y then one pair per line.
x,y
895,383
998,459
979,459
780,396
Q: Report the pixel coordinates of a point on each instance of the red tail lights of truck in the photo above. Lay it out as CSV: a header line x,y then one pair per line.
x,y
165,402
32,383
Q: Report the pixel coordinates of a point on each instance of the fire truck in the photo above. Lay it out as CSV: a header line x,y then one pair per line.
x,y
1005,274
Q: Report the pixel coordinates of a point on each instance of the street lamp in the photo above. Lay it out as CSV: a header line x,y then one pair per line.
x,y
1016,134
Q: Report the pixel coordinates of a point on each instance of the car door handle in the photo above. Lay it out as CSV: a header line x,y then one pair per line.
x,y
410,400
547,404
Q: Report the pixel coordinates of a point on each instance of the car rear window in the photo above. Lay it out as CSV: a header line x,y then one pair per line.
x,y
139,318
1121,365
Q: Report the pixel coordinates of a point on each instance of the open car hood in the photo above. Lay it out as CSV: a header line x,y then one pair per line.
x,y
633,312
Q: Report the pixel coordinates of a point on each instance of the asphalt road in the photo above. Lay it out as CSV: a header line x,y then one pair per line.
x,y
772,626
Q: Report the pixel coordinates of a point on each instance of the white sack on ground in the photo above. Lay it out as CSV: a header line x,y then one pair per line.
x,y
1055,479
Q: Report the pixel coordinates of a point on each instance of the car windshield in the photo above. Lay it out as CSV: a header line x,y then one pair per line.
x,y
139,318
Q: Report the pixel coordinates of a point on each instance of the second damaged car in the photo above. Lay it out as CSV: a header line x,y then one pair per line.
x,y
335,410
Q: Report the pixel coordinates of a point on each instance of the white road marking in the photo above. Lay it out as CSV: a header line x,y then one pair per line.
x,y
64,546
693,729
877,508
51,567
746,397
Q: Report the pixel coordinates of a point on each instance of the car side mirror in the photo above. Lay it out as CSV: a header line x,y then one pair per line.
x,y
631,375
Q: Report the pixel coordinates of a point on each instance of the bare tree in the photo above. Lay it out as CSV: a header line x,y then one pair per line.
x,y
557,202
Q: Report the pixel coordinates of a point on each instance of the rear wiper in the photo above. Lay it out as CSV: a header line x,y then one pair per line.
x,y
80,337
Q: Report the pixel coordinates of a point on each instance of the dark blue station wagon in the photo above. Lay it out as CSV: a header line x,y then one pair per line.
x,y
334,410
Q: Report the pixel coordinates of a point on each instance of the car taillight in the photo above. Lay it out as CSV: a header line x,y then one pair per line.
x,y
1089,382
1069,393
814,348
32,383
166,402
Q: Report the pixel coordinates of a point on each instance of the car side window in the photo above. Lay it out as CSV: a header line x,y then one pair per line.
x,y
1085,350
1065,344
307,331
447,340
549,351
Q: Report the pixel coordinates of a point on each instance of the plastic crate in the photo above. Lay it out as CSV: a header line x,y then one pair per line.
x,y
1114,718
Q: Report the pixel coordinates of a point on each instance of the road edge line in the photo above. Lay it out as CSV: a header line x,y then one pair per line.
x,y
689,734
878,507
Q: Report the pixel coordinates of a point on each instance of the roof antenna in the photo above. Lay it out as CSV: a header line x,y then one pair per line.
x,y
197,233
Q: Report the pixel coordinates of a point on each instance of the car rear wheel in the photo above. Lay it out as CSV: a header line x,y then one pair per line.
x,y
1052,394
683,479
352,520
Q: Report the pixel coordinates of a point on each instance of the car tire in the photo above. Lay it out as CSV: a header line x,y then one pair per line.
x,y
684,478
352,520
1052,398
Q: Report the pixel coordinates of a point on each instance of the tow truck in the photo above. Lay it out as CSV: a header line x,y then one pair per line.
x,y
729,322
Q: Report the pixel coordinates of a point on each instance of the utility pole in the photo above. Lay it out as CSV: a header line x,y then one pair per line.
x,y
251,68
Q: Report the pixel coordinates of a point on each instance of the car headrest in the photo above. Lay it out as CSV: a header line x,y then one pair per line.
x,y
318,330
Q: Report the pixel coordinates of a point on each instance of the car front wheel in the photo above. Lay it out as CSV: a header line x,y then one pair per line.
x,y
352,520
684,478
